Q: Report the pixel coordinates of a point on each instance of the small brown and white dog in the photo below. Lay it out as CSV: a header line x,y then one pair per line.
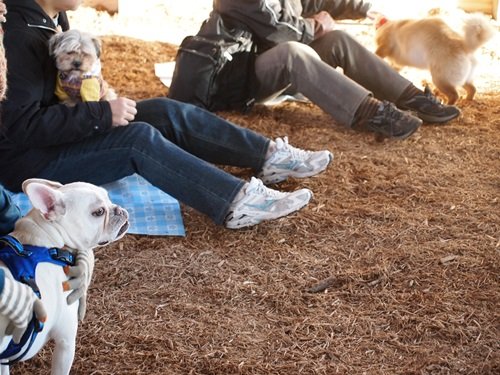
x,y
77,57
431,44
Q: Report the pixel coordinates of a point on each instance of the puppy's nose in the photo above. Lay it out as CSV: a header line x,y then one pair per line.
x,y
77,63
120,211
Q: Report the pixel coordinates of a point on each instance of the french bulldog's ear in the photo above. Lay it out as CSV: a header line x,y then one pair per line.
x,y
45,197
53,184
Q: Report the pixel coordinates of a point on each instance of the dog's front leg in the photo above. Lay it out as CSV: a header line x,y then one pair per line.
x,y
65,342
471,90
62,359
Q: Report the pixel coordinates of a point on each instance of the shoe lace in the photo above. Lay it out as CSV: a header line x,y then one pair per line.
x,y
389,110
430,96
294,152
257,187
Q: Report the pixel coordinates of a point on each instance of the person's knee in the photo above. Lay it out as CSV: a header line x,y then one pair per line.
x,y
139,136
295,52
158,111
339,37
155,107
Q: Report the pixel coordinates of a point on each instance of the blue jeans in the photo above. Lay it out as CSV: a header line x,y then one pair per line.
x,y
172,145
9,213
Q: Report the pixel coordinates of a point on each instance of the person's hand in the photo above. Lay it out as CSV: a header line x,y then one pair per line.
x,y
81,275
324,23
374,15
18,302
123,110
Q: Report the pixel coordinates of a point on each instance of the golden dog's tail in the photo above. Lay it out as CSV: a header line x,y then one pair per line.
x,y
477,31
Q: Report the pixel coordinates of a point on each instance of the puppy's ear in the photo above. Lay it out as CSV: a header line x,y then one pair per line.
x,y
97,45
45,197
53,42
52,184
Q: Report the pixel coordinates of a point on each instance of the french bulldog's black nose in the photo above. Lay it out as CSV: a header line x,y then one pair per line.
x,y
77,63
119,211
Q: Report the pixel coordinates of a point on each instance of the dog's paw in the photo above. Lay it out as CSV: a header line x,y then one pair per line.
x,y
110,94
82,307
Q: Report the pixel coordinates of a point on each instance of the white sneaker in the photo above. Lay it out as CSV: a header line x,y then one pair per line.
x,y
288,161
259,203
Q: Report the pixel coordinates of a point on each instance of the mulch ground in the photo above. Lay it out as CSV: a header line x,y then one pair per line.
x,y
392,269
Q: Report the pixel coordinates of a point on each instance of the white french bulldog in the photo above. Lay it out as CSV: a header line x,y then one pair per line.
x,y
77,216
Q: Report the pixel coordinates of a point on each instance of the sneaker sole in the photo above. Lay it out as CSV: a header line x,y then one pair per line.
x,y
406,135
433,119
252,221
399,137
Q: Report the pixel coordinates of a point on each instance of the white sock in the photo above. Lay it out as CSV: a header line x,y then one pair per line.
x,y
270,150
240,195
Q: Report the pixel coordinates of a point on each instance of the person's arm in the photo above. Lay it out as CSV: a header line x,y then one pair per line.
x,y
270,22
9,213
18,303
28,120
323,23
338,9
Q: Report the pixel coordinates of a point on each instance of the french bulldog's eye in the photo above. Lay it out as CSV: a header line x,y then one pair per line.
x,y
99,212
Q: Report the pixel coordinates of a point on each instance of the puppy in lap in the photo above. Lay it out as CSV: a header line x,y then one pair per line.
x,y
77,57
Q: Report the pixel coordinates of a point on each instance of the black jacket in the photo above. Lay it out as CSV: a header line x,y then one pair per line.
x,y
33,123
276,21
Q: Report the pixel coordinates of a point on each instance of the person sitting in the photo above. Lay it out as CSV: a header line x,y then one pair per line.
x,y
299,48
173,145
18,302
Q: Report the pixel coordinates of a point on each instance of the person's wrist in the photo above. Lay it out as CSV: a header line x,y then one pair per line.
x,y
318,29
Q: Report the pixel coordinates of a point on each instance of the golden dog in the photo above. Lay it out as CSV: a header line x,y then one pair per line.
x,y
431,44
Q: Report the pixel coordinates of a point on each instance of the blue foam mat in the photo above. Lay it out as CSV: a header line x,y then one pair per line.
x,y
152,212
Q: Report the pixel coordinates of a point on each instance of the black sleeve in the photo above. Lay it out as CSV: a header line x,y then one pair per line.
x,y
338,9
28,118
270,21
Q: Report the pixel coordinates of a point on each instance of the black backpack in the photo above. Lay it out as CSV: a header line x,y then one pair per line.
x,y
215,68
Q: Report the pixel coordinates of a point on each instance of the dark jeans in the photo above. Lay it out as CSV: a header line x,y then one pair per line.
x,y
172,145
9,213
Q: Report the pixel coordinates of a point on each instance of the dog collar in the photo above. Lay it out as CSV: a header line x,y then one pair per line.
x,y
381,22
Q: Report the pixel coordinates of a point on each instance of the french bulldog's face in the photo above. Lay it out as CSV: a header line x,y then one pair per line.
x,y
81,213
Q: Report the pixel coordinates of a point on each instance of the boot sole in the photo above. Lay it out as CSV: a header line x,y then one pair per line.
x,y
406,135
433,119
